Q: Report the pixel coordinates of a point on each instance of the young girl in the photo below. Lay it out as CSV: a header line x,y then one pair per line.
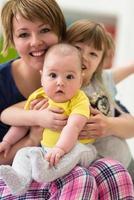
x,y
32,26
91,39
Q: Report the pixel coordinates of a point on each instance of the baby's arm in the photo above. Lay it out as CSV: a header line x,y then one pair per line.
x,y
13,135
68,138
120,73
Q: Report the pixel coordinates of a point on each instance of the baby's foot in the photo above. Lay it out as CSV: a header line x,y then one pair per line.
x,y
17,184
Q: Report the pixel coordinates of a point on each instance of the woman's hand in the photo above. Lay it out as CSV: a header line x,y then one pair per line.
x,y
52,118
97,126
39,104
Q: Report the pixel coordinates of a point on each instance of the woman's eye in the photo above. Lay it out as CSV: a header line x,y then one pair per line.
x,y
45,30
23,35
70,76
52,75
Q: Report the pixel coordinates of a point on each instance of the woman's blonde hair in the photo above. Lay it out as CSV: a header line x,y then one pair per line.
x,y
44,10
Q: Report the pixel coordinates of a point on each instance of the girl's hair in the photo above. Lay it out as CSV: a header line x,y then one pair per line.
x,y
47,11
110,42
91,33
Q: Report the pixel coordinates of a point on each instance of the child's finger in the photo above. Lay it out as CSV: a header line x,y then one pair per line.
x,y
6,152
57,158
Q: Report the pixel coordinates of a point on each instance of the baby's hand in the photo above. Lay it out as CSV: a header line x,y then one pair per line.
x,y
54,155
5,146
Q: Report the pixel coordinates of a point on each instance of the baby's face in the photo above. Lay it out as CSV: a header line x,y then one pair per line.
x,y
61,78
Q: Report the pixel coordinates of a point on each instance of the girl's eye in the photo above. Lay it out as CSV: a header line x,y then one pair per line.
x,y
45,30
23,35
52,75
93,54
70,76
78,47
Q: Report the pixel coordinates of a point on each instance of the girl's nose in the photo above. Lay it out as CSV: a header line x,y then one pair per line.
x,y
84,56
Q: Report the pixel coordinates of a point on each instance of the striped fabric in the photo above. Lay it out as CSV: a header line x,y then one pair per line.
x,y
104,180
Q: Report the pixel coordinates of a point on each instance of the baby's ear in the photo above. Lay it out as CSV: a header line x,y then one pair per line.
x,y
41,72
41,77
41,82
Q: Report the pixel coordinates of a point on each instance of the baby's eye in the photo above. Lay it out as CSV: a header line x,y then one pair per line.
x,y
69,76
23,35
52,75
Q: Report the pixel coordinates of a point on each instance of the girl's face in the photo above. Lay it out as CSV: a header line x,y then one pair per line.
x,y
91,59
31,40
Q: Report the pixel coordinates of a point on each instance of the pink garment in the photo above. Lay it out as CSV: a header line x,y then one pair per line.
x,y
105,179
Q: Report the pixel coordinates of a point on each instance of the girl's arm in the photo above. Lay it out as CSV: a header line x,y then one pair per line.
x,y
122,126
68,138
120,73
100,125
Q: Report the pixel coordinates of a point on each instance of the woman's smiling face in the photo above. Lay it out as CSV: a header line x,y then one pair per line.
x,y
32,39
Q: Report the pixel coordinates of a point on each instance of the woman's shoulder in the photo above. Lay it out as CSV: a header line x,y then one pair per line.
x,y
5,66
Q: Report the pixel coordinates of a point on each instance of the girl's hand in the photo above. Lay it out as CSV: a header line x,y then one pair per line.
x,y
54,155
97,126
5,146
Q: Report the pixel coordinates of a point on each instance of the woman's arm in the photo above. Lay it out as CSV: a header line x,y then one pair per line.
x,y
120,73
48,118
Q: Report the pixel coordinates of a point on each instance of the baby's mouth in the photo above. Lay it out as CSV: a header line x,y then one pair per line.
x,y
59,92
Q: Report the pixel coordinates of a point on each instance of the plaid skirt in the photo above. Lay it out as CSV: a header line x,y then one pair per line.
x,y
105,179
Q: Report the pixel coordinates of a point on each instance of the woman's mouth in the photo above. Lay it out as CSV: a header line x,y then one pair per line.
x,y
38,53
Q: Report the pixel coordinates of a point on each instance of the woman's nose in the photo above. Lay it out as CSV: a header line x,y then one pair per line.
x,y
36,41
